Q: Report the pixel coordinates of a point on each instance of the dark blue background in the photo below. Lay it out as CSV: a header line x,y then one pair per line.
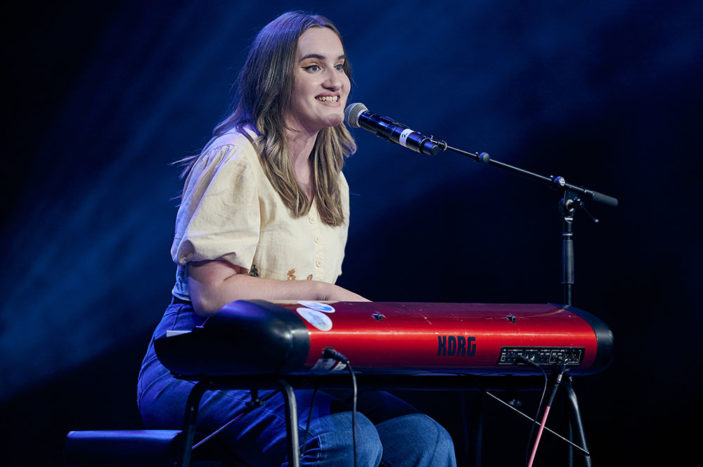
x,y
102,97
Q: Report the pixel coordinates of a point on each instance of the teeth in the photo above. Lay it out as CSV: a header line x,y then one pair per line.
x,y
328,98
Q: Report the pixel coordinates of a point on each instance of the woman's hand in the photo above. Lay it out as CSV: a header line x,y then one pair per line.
x,y
339,294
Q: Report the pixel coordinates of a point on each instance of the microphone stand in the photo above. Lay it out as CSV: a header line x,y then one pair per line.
x,y
572,198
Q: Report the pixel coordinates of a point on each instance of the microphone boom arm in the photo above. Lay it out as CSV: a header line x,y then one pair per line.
x,y
558,181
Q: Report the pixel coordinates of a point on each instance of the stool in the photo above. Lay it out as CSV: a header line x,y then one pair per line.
x,y
130,448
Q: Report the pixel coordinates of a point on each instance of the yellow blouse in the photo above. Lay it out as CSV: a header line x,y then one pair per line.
x,y
231,212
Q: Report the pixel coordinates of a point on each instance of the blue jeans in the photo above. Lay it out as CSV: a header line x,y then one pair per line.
x,y
389,431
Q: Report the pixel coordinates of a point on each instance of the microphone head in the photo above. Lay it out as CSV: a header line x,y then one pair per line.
x,y
352,113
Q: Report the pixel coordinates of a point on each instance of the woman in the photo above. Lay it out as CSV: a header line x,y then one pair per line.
x,y
264,215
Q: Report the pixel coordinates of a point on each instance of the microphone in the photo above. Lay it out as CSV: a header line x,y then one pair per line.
x,y
358,116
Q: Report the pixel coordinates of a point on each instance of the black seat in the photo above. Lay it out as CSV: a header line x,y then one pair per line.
x,y
134,448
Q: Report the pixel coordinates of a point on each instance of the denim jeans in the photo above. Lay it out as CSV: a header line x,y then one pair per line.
x,y
388,430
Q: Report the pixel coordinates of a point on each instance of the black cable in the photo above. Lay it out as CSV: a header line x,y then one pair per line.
x,y
307,424
330,352
539,406
557,382
351,372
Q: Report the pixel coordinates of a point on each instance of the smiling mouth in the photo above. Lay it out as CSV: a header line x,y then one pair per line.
x,y
328,98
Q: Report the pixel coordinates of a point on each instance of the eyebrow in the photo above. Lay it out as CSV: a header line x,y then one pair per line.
x,y
320,57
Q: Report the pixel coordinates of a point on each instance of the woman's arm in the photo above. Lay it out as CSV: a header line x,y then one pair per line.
x,y
213,284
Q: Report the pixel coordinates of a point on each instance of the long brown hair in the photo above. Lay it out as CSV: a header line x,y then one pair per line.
x,y
265,86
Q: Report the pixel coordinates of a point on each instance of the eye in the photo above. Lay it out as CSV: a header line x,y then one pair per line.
x,y
339,67
312,68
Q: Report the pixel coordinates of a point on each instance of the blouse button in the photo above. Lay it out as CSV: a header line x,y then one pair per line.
x,y
316,239
318,263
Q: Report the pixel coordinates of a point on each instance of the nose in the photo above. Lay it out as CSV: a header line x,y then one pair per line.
x,y
332,80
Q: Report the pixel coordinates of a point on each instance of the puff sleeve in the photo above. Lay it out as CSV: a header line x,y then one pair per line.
x,y
219,217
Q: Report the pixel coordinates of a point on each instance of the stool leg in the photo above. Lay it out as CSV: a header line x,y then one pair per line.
x,y
189,423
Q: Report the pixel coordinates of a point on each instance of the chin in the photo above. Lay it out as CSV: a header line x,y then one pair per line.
x,y
334,120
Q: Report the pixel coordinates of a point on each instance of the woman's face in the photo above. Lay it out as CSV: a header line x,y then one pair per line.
x,y
320,85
